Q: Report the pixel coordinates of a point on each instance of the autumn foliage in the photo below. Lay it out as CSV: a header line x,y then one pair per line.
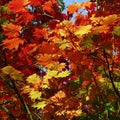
x,y
57,66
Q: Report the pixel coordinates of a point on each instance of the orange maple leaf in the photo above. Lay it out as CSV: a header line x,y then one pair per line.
x,y
44,59
24,17
50,6
11,30
18,5
88,5
40,33
13,43
72,8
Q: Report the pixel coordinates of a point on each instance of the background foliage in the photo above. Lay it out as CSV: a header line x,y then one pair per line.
x,y
52,68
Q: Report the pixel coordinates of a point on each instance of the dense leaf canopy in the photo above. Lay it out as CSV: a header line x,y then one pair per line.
x,y
57,66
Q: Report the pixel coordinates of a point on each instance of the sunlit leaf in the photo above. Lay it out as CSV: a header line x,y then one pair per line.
x,y
64,74
81,30
34,79
50,74
35,94
72,8
40,105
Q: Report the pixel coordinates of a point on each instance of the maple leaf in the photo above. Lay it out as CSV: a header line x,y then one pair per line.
x,y
64,74
35,95
44,59
49,48
72,8
35,81
12,72
116,31
40,105
50,6
50,74
18,5
11,30
101,29
24,17
110,19
56,99
35,2
82,30
13,43
27,89
60,94
88,5
40,33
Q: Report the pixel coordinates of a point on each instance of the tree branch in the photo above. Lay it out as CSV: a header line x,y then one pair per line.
x,y
110,74
13,86
21,99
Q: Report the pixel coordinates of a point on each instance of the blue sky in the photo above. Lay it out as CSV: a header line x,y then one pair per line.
x,y
67,2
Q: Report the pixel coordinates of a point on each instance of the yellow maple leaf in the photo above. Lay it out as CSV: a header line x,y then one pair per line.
x,y
35,80
50,74
82,30
35,94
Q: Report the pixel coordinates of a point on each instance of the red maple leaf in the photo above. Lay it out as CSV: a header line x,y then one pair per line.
x,y
18,5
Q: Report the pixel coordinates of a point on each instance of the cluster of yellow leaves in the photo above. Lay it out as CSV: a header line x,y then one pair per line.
x,y
55,74
36,86
34,89
102,24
